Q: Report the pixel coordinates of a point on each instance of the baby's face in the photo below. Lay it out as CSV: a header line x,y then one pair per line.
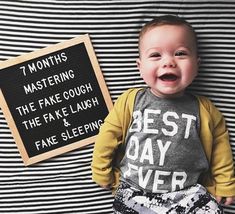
x,y
168,60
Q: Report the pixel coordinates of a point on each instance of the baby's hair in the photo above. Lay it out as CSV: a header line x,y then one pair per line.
x,y
166,20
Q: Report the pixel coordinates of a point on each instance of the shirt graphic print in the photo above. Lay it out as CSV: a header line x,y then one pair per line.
x,y
163,148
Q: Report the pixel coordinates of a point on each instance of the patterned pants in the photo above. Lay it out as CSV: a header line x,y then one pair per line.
x,y
193,200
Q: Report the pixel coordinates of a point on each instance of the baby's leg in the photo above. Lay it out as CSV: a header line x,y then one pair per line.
x,y
193,200
203,202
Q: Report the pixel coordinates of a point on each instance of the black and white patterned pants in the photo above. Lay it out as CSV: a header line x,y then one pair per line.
x,y
193,200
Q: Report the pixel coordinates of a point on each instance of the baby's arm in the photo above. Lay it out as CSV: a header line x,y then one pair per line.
x,y
222,166
103,155
106,144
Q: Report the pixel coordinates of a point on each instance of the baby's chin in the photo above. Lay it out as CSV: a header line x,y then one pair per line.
x,y
167,93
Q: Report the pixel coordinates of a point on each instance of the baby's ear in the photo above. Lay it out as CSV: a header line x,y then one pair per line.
x,y
198,60
138,63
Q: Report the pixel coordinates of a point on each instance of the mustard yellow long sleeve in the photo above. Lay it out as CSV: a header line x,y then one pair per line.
x,y
220,179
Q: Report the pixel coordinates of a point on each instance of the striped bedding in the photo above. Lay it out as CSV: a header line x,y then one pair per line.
x,y
63,184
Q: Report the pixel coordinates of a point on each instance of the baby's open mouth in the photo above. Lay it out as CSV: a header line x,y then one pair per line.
x,y
168,77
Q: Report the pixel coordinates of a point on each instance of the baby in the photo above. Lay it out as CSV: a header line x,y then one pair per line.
x,y
161,149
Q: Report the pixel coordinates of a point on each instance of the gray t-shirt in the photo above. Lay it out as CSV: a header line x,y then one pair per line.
x,y
163,148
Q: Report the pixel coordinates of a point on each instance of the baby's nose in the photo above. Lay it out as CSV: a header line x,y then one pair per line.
x,y
169,63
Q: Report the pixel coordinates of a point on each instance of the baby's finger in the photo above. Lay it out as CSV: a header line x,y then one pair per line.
x,y
229,200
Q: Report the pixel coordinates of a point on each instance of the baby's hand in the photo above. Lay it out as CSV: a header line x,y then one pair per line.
x,y
225,200
107,187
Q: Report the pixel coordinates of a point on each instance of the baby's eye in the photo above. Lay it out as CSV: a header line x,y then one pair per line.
x,y
181,53
156,54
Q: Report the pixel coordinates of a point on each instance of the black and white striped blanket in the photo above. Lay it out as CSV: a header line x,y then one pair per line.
x,y
63,184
